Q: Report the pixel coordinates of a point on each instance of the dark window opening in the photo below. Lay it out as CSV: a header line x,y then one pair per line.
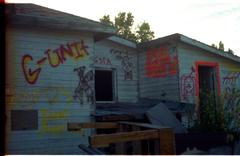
x,y
24,120
103,85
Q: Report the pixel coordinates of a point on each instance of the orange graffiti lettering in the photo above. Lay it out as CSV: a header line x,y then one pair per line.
x,y
66,51
55,58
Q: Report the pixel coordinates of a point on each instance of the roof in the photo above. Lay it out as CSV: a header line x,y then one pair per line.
x,y
187,40
27,14
118,39
139,108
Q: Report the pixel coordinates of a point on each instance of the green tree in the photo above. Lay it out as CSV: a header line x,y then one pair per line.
x,y
230,51
106,20
123,23
214,46
144,33
221,46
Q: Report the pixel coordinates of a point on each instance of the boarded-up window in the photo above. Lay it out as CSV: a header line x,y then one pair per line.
x,y
24,120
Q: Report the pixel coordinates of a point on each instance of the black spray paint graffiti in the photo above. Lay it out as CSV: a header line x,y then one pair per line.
x,y
232,97
232,108
126,62
84,86
188,85
231,78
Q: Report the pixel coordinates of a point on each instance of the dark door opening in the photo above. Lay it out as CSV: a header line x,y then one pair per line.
x,y
104,85
207,88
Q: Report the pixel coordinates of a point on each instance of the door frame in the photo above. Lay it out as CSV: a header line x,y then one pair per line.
x,y
208,64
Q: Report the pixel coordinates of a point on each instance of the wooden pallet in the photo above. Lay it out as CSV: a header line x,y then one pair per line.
x,y
162,138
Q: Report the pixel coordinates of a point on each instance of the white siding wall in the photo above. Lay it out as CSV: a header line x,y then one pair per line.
x,y
229,70
123,61
160,87
51,94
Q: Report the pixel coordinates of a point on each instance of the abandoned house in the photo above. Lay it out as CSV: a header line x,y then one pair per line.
x,y
63,68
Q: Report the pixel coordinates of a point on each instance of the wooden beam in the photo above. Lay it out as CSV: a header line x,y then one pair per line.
x,y
111,118
104,140
136,144
120,147
167,142
144,125
99,125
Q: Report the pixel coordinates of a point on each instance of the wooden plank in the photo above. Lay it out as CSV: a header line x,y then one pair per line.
x,y
145,125
110,118
99,125
156,147
136,144
120,147
104,140
167,142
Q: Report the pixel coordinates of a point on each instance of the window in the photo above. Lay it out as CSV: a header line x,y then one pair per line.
x,y
24,120
104,85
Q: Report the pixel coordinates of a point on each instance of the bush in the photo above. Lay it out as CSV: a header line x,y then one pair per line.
x,y
219,114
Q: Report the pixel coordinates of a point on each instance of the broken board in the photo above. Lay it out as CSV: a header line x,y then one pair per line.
x,y
162,116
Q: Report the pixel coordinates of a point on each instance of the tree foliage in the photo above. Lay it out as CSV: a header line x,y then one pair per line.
x,y
214,46
144,33
106,20
221,47
124,22
230,51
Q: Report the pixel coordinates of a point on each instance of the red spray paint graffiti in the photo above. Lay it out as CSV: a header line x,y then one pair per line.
x,y
188,85
160,63
55,58
30,76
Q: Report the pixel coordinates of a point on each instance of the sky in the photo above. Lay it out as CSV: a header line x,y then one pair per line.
x,y
208,21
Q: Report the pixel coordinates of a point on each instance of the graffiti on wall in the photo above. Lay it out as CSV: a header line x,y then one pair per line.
x,y
232,107
53,121
188,85
231,94
29,97
102,60
56,57
232,97
161,62
231,78
84,87
126,62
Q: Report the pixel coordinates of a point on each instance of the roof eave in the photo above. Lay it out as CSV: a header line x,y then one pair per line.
x,y
208,48
19,20
164,40
123,41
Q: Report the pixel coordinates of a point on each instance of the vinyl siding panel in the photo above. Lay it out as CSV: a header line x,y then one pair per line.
x,y
159,87
188,56
122,59
51,94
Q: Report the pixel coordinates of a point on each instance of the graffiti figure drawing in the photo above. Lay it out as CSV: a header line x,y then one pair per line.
x,y
84,87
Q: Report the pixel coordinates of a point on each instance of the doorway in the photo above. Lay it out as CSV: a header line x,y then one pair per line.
x,y
207,80
208,86
104,86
